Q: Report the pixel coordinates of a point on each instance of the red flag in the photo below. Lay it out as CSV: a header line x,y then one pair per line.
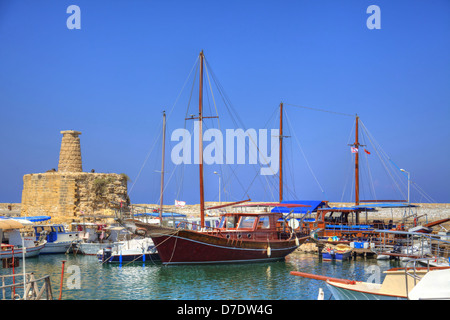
x,y
366,151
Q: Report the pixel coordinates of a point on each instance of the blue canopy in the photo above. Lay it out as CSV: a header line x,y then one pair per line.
x,y
314,205
354,208
386,205
164,215
32,219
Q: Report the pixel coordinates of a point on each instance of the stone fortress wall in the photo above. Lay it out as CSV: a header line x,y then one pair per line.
x,y
68,192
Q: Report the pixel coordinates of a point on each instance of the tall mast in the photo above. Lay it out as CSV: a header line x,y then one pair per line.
x,y
162,168
356,163
200,119
280,158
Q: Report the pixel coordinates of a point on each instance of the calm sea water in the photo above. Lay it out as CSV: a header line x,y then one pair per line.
x,y
87,279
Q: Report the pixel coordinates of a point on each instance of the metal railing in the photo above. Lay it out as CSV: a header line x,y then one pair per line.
x,y
30,289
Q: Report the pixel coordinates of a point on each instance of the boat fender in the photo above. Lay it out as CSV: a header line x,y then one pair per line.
x,y
269,251
297,243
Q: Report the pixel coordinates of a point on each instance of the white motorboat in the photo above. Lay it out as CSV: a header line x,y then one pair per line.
x,y
94,237
13,242
135,250
59,240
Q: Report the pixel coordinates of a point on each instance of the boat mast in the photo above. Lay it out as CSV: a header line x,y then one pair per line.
x,y
162,168
357,145
280,158
200,119
356,163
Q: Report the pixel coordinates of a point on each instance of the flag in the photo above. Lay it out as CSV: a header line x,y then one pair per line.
x,y
366,151
354,150
180,203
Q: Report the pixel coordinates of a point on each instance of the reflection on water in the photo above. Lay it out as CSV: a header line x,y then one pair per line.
x,y
261,281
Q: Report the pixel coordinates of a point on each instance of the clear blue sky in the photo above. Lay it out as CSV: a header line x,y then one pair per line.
x,y
112,78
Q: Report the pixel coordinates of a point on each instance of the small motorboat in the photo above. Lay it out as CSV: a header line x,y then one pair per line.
x,y
59,240
94,237
339,252
13,242
135,250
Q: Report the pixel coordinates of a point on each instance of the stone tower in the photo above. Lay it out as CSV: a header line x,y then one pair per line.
x,y
70,153
69,192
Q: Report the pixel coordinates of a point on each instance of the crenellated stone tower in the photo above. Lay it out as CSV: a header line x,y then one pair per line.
x,y
67,193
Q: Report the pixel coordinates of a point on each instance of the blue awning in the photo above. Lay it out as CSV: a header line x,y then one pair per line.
x,y
386,205
314,205
32,219
354,208
164,215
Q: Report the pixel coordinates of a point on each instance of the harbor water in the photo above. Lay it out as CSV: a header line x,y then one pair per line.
x,y
85,278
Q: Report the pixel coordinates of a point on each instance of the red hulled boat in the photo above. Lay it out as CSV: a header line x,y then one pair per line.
x,y
240,237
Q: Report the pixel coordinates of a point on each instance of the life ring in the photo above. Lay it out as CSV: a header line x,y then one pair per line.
x,y
137,231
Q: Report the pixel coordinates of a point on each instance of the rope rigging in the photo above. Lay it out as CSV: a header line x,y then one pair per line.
x,y
231,174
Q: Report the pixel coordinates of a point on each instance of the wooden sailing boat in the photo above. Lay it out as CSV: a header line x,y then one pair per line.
x,y
345,222
240,237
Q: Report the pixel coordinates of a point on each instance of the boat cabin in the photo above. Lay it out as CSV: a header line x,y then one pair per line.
x,y
54,232
252,226
249,221
264,224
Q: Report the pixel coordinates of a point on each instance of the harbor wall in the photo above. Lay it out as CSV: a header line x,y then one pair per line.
x,y
430,211
51,200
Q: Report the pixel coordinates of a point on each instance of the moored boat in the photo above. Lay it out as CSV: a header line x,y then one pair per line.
x,y
135,250
398,284
240,237
13,243
94,237
340,252
59,240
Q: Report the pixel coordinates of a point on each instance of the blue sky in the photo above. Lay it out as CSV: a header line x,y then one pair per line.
x,y
112,78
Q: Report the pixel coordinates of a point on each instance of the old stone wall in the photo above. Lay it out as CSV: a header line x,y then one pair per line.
x,y
48,194
67,195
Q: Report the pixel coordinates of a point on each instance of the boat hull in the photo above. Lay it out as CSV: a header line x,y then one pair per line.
x,y
91,248
333,255
29,252
192,247
57,247
340,293
148,257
